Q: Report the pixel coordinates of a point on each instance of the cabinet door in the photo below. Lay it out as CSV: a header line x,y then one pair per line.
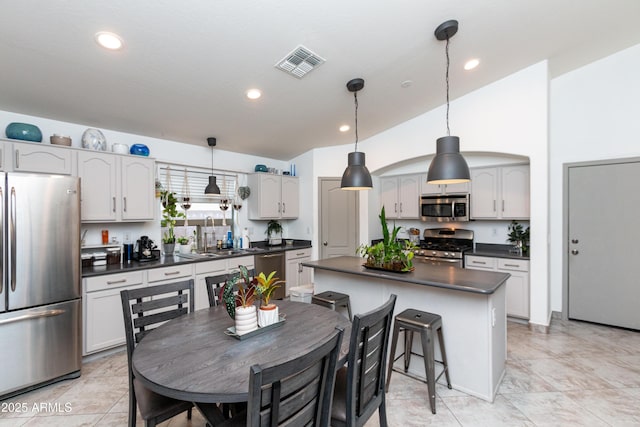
x,y
203,270
389,197
484,193
5,157
515,192
104,324
517,286
98,179
42,159
292,275
138,188
409,196
290,197
266,204
431,189
462,187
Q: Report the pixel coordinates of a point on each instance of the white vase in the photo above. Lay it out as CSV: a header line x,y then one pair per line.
x,y
185,249
246,319
267,317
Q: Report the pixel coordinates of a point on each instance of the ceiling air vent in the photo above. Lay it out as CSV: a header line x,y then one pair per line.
x,y
299,62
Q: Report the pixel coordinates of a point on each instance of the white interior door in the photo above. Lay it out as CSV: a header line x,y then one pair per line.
x,y
338,219
603,258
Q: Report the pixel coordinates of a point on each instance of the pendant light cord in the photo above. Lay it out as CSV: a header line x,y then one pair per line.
x,y
355,98
447,80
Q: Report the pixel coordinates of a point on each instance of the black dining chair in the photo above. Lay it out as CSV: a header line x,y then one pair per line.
x,y
143,310
215,283
359,389
294,393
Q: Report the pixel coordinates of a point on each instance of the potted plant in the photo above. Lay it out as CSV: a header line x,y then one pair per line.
x,y
268,311
185,244
519,236
274,229
169,215
389,254
239,303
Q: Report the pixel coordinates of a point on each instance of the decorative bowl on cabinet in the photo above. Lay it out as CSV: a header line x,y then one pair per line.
x,y
24,132
139,150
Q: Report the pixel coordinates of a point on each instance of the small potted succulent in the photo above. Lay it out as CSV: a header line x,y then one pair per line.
x,y
268,311
239,304
185,244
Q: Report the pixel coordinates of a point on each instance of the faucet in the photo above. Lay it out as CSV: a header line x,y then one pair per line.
x,y
205,231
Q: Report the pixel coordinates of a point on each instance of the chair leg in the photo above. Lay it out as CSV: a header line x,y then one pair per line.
x,y
408,344
382,413
429,365
133,408
189,413
444,357
392,354
349,310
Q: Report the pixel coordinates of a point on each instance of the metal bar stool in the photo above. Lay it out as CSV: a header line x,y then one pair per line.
x,y
333,300
410,321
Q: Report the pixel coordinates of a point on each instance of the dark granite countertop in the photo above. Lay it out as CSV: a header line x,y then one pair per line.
x,y
257,248
495,250
454,278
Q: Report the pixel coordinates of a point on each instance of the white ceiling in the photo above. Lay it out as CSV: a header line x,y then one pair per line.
x,y
186,64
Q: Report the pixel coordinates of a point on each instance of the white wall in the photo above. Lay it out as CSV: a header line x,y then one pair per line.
x,y
508,116
594,116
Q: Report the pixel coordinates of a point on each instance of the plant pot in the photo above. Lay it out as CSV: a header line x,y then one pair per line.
x,y
246,319
185,249
267,315
168,248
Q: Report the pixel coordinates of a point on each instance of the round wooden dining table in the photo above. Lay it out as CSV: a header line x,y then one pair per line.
x,y
193,358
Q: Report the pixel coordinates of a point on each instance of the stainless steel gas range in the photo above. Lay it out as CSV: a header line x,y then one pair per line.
x,y
444,246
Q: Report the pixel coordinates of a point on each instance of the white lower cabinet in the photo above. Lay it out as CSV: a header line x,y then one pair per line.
x,y
296,274
215,268
102,308
517,284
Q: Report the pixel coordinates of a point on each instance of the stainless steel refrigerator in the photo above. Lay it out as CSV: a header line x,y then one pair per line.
x,y
40,297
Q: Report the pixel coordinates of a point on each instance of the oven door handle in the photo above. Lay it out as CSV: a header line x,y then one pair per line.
x,y
449,260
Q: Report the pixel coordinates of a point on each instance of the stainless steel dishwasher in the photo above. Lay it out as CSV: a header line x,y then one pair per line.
x,y
266,263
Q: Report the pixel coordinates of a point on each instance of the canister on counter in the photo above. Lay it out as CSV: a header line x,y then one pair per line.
x,y
113,255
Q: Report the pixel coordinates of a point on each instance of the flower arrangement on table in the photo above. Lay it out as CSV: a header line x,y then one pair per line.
x,y
389,254
268,311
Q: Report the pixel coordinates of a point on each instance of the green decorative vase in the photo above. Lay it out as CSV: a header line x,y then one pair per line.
x,y
24,132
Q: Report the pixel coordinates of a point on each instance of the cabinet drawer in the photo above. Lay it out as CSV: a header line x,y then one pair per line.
x,y
112,281
213,267
472,261
168,273
247,261
513,264
298,253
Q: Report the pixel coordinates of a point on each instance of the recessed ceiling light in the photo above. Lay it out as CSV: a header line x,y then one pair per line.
x,y
109,40
254,94
471,64
344,128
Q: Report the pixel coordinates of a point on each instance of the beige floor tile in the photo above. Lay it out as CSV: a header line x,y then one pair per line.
x,y
553,409
520,379
471,411
65,421
13,422
619,407
565,375
95,396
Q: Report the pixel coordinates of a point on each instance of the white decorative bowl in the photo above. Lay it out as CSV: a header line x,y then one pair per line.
x,y
120,148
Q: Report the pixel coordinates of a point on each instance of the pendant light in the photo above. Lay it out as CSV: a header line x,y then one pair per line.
x,y
212,188
448,166
356,176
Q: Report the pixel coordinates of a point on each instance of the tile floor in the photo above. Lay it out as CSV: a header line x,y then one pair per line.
x,y
578,374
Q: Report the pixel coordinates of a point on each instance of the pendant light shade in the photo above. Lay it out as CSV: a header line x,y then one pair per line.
x,y
356,176
212,187
448,166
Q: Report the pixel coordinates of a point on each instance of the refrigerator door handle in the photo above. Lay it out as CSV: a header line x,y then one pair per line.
x,y
12,235
46,313
2,284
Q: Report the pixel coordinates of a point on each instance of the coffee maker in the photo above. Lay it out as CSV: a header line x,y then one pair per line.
x,y
145,249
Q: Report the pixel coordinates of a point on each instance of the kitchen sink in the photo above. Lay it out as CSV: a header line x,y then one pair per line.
x,y
216,254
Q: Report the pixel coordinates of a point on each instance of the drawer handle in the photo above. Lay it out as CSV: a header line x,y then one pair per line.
x,y
300,253
478,262
172,273
113,282
512,265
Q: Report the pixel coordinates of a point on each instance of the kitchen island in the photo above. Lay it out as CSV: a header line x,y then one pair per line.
x,y
471,303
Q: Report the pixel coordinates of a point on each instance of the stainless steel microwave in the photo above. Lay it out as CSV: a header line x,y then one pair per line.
x,y
444,208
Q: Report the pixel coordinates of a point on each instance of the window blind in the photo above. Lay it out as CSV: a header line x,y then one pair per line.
x,y
172,177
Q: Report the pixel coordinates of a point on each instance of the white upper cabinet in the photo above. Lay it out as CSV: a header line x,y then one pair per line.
x,y
41,158
500,192
276,196
437,189
400,196
116,188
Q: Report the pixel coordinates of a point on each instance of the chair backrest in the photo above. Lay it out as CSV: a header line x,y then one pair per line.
x,y
298,392
146,308
366,363
215,283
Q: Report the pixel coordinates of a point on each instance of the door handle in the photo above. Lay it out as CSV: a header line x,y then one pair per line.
x,y
574,241
325,243
575,252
